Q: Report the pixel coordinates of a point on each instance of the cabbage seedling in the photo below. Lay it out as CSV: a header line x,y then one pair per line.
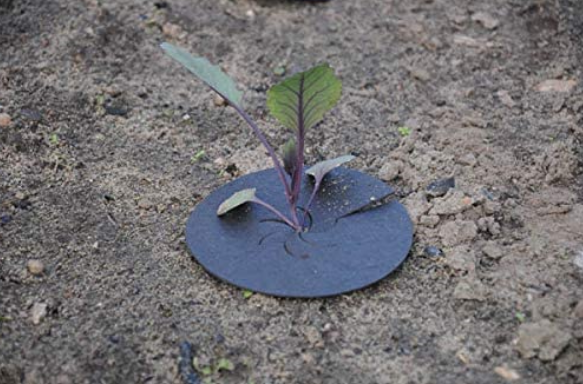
x,y
299,103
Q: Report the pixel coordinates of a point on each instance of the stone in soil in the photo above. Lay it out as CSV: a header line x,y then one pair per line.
x,y
578,261
461,258
440,187
417,205
145,203
458,232
38,312
452,203
556,86
172,30
35,267
470,288
429,220
419,74
468,159
219,101
507,373
578,311
505,98
116,110
493,251
5,219
390,170
31,114
5,120
485,19
432,251
542,339
489,225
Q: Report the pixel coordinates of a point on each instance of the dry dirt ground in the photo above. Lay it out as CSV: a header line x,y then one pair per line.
x,y
97,181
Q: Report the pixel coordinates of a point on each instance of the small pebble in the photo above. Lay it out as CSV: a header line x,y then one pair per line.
x,y
5,219
487,193
171,30
429,220
420,74
485,19
219,101
579,310
505,98
116,110
38,312
493,251
432,251
279,70
470,288
507,373
145,203
35,267
390,170
558,86
31,114
440,187
468,159
5,120
394,118
578,260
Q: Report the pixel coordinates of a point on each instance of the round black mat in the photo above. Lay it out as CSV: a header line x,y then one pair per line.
x,y
346,248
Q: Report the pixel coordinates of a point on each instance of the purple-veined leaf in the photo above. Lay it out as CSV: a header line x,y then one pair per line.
x,y
300,101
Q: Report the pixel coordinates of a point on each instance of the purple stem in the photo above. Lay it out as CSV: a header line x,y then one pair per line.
x,y
310,201
267,146
297,176
276,212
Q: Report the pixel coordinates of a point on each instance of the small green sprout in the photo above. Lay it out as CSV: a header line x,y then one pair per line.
x,y
279,70
54,139
213,369
404,131
520,316
247,294
224,364
198,156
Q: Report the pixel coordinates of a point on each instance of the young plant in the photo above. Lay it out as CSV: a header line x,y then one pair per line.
x,y
298,103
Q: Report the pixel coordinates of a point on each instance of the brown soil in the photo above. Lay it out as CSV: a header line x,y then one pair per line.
x,y
96,181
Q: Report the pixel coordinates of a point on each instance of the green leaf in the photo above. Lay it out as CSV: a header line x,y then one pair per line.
x,y
319,170
238,199
198,156
54,139
247,294
404,131
520,316
290,156
210,74
304,98
224,365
